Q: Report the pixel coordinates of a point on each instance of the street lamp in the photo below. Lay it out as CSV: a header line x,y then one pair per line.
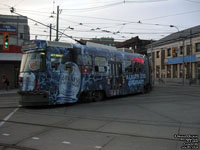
x,y
173,26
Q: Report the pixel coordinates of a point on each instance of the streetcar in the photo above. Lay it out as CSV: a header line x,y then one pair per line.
x,y
58,73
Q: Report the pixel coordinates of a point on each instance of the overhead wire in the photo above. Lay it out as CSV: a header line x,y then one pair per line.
x,y
112,5
193,1
115,20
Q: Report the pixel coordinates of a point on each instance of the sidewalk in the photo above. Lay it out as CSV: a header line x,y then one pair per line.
x,y
10,91
176,84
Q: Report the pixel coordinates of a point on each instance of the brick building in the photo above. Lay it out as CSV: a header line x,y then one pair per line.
x,y
176,58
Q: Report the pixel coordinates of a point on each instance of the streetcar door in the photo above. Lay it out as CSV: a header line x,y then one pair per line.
x,y
115,75
112,75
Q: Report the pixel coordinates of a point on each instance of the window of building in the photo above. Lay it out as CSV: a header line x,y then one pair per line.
x,y
174,51
188,49
21,36
100,64
197,46
158,54
181,50
169,52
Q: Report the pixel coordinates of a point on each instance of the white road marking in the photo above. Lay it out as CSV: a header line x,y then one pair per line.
x,y
35,138
66,142
6,134
98,147
8,117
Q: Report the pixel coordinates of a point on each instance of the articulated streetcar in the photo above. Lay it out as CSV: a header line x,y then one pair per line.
x,y
57,73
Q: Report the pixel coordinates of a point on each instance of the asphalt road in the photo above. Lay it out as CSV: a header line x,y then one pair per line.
x,y
167,118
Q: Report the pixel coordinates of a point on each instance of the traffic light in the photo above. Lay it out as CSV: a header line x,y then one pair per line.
x,y
5,41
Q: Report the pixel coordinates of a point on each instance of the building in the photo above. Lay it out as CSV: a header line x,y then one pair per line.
x,y
176,58
104,40
135,44
14,30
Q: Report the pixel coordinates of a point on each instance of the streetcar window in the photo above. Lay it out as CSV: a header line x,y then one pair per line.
x,y
86,60
100,64
128,66
55,61
85,63
33,62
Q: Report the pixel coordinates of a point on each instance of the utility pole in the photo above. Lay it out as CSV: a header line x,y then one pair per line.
x,y
152,61
57,24
183,66
190,56
50,32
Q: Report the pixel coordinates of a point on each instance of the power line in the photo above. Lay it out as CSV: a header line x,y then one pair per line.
x,y
188,12
193,1
112,5
12,10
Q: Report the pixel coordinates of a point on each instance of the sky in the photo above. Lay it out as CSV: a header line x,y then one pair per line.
x,y
118,19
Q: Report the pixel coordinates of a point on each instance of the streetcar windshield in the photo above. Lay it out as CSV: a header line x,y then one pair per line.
x,y
33,62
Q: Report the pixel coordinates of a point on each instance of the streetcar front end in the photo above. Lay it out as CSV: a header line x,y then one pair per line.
x,y
32,78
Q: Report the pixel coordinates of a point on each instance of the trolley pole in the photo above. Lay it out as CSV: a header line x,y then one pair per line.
x,y
57,24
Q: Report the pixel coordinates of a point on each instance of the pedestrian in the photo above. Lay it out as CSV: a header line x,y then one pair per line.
x,y
5,82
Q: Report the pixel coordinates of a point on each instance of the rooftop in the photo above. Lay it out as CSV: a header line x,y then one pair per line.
x,y
194,31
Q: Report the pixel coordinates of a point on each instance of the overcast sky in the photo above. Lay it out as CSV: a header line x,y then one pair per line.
x,y
120,19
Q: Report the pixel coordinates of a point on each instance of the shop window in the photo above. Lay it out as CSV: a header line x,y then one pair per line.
x,y
168,71
158,71
175,72
197,46
181,71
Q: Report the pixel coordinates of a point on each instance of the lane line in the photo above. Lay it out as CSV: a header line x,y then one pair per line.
x,y
8,117
66,142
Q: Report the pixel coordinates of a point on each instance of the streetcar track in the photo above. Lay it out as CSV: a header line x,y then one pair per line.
x,y
159,114
93,131
120,120
5,146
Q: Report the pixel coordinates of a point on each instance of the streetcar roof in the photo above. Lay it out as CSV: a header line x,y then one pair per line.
x,y
41,45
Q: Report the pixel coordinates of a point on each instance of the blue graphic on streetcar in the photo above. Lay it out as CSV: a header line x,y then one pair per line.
x,y
57,73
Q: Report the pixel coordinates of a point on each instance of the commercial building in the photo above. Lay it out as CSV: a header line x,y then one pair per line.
x,y
176,58
14,30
